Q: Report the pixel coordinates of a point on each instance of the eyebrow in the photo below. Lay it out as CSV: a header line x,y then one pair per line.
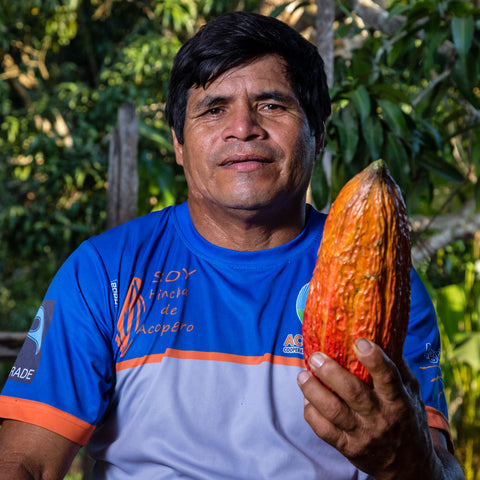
x,y
209,101
277,96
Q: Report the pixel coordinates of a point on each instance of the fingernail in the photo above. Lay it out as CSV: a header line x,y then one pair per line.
x,y
363,345
303,377
317,359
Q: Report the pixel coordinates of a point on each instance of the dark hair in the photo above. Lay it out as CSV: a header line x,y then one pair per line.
x,y
236,39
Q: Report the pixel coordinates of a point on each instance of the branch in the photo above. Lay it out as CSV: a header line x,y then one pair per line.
x,y
431,86
462,224
376,17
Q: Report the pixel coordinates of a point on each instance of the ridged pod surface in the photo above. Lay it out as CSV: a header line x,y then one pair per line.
x,y
360,286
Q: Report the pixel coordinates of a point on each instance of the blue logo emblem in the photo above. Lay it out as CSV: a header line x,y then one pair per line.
x,y
36,334
301,301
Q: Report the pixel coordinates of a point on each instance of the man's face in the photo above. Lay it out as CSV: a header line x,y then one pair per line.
x,y
247,144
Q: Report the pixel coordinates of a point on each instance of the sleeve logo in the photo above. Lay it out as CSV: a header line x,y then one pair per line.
x,y
28,359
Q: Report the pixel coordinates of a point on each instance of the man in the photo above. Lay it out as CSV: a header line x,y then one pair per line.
x,y
172,344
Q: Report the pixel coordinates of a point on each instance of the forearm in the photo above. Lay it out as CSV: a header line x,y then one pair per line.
x,y
10,470
451,469
21,470
436,469
29,452
429,461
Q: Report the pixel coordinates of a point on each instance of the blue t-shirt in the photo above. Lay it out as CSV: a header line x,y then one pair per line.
x,y
175,358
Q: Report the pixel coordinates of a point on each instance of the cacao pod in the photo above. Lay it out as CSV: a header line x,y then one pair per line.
x,y
360,286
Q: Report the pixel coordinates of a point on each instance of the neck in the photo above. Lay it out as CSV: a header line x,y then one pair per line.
x,y
248,230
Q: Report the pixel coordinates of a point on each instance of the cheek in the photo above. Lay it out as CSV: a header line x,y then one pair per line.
x,y
196,168
304,153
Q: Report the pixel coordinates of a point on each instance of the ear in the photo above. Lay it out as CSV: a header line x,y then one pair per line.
x,y
320,139
178,148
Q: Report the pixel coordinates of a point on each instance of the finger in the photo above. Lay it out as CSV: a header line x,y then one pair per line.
x,y
324,429
385,375
407,375
354,392
327,403
327,415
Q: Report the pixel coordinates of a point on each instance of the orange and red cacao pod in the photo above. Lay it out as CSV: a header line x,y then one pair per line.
x,y
360,286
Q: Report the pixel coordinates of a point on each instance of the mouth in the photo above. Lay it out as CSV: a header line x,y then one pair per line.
x,y
245,162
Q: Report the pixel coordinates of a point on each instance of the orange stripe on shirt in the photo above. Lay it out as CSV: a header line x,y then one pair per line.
x,y
46,416
215,356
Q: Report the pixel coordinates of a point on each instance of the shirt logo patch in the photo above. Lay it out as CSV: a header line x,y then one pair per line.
x,y
28,359
433,356
293,343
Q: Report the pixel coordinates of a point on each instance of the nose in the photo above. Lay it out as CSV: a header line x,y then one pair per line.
x,y
243,123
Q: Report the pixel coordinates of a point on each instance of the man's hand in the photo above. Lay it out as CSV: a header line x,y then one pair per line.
x,y
383,430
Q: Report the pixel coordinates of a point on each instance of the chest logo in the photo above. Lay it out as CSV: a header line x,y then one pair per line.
x,y
130,315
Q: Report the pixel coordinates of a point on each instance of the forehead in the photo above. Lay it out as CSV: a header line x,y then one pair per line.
x,y
263,74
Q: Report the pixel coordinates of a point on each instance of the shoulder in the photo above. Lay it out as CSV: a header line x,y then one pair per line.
x,y
138,230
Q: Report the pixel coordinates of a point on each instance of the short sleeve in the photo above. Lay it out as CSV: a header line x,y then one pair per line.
x,y
63,375
422,350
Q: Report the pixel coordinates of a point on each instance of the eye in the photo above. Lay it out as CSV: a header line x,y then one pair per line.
x,y
214,111
271,107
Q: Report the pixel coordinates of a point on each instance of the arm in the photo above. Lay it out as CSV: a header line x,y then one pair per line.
x,y
449,463
30,452
382,431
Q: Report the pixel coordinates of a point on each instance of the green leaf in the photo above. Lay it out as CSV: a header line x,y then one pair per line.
x,y
450,307
439,166
462,32
468,350
347,126
433,38
397,50
373,135
154,135
419,11
361,99
362,66
466,77
398,160
459,8
395,119
319,186
394,95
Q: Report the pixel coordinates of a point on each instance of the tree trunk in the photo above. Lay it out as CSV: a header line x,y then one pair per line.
x,y
122,192
324,27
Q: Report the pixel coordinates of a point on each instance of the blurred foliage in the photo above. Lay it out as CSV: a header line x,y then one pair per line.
x,y
411,98
453,278
66,68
